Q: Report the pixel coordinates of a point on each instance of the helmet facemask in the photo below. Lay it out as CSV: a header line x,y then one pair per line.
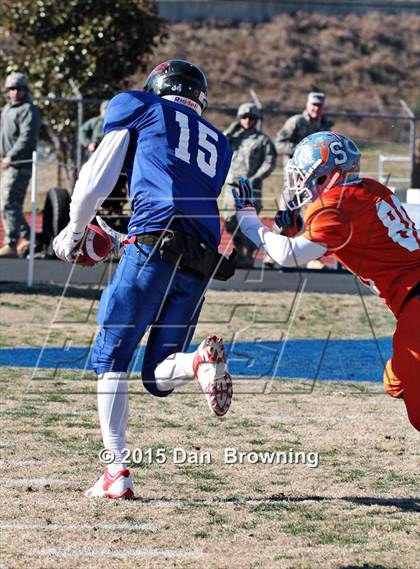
x,y
320,162
299,187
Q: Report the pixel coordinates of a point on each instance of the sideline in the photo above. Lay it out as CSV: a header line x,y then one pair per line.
x,y
346,360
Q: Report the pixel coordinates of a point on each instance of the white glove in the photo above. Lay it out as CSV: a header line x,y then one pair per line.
x,y
117,237
66,243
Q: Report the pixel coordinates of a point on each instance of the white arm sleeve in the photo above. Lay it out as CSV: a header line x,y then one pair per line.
x,y
286,251
98,177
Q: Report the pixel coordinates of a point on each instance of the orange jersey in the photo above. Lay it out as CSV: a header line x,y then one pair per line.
x,y
369,231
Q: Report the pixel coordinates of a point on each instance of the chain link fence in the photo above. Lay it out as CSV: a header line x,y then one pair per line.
x,y
387,140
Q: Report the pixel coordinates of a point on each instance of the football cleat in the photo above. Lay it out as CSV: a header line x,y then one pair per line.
x,y
118,486
210,369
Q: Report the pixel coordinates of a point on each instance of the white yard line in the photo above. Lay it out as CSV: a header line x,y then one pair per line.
x,y
76,527
135,504
309,418
18,462
123,554
12,482
61,412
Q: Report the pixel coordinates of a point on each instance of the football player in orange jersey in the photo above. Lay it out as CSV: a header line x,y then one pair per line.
x,y
365,226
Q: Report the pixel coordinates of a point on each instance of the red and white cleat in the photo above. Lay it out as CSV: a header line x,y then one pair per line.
x,y
210,369
118,486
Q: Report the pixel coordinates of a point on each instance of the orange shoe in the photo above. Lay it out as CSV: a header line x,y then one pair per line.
x,y
392,385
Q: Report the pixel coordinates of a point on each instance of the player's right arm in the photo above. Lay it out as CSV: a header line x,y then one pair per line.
x,y
286,251
96,181
99,175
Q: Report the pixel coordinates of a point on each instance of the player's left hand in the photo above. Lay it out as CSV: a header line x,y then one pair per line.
x,y
289,222
66,244
244,194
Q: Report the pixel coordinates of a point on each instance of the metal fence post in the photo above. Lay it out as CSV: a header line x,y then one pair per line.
x,y
381,169
412,116
79,145
33,220
80,110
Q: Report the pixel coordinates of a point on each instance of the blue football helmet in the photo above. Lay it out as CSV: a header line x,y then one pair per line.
x,y
320,161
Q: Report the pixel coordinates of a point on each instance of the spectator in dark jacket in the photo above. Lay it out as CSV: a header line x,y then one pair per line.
x,y
92,131
20,122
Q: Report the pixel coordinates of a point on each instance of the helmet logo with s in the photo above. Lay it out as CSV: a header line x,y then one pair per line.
x,y
340,156
320,162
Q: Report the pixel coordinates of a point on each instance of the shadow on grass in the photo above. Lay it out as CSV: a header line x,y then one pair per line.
x,y
91,292
368,566
404,504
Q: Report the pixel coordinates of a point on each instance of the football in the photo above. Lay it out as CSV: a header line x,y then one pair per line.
x,y
95,246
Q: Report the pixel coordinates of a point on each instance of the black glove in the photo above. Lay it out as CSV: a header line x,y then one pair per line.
x,y
244,195
289,222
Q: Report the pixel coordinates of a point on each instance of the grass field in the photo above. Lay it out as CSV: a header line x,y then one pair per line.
x,y
358,508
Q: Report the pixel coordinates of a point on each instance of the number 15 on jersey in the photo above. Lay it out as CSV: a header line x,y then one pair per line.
x,y
206,141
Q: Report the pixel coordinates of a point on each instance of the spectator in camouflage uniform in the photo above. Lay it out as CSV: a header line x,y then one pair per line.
x,y
254,157
297,127
20,122
92,131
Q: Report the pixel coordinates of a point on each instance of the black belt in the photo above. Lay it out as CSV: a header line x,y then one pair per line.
x,y
153,238
190,255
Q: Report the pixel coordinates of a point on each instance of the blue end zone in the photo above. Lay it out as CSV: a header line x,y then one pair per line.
x,y
348,360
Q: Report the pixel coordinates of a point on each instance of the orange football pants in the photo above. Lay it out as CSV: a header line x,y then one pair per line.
x,y
402,372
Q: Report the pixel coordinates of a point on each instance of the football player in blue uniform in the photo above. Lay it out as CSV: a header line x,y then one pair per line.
x,y
176,163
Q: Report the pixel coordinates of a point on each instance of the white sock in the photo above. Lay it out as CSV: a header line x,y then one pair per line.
x,y
174,371
113,414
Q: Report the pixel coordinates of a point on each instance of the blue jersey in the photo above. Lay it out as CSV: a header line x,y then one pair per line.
x,y
176,164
